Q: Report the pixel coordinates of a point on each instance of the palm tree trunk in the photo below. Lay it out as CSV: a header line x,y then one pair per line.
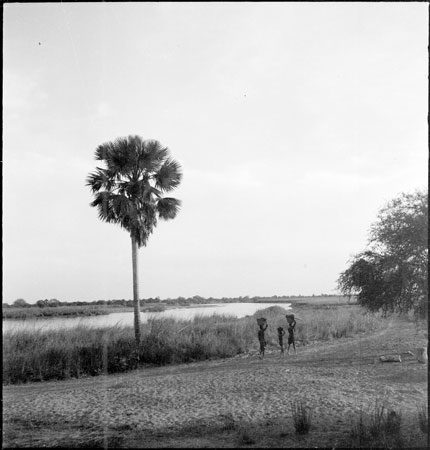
x,y
135,291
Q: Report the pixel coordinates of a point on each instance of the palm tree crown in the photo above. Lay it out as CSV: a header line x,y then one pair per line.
x,y
129,191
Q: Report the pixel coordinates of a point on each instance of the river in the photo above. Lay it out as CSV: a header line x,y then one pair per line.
x,y
126,318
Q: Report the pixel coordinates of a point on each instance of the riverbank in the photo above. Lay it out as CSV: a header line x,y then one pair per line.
x,y
33,311
37,355
235,402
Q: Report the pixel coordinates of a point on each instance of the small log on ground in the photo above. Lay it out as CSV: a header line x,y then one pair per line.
x,y
421,353
390,358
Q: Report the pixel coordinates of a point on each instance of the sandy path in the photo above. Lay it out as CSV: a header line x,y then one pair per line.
x,y
333,378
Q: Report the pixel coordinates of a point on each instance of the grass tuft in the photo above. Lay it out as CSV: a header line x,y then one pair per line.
x,y
423,418
301,416
380,428
228,422
246,435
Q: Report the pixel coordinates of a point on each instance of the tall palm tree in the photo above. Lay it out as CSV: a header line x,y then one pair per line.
x,y
129,192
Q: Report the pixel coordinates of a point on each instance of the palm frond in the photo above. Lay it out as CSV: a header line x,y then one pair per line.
x,y
100,179
113,207
148,214
151,156
102,151
103,203
119,155
169,176
149,191
144,223
140,190
141,235
122,206
123,156
168,207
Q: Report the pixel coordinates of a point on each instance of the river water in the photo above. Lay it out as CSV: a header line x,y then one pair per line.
x,y
126,318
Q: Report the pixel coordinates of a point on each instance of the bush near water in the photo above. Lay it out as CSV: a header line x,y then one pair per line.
x,y
35,355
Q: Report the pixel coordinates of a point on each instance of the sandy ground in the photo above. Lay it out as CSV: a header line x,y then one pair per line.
x,y
213,403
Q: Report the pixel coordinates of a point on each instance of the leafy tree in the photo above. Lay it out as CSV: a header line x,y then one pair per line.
x,y
392,273
54,302
129,192
20,303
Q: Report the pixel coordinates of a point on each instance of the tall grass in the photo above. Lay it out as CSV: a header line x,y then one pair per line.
x,y
38,355
378,428
321,324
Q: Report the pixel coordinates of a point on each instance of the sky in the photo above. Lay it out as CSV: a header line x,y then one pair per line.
x,y
294,124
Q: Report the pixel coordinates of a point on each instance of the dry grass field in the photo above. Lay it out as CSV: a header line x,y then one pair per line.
x,y
238,402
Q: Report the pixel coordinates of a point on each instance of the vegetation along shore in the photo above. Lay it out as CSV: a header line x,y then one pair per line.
x,y
81,351
20,309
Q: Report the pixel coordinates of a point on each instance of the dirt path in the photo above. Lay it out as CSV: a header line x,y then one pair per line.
x,y
147,406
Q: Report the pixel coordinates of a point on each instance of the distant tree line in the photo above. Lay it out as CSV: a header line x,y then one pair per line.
x,y
195,300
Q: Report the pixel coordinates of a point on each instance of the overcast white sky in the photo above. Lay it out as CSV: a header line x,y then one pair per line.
x,y
294,124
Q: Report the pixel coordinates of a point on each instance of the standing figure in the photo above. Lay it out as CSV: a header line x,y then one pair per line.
x,y
291,326
261,339
281,334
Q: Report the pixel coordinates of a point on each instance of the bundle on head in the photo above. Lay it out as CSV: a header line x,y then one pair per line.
x,y
290,318
261,321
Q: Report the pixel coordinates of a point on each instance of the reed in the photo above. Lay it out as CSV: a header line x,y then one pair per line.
x,y
38,355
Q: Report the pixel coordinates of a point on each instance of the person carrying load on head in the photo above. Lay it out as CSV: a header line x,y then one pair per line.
x,y
281,334
291,325
263,327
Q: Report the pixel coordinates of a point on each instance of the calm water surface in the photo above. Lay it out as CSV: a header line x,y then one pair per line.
x,y
126,318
